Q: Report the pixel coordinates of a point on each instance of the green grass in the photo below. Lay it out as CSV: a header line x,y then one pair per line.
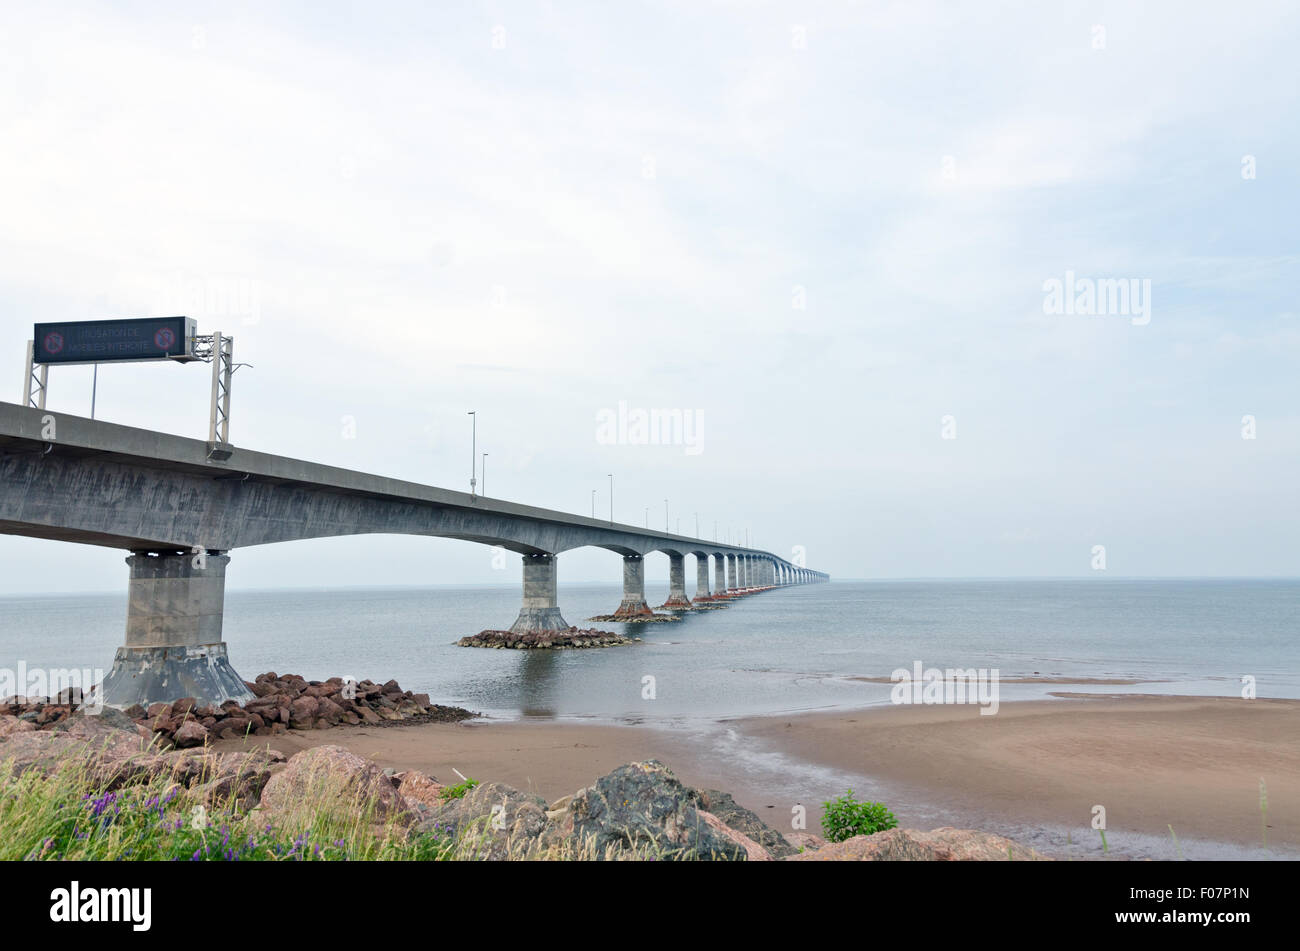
x,y
64,816
458,791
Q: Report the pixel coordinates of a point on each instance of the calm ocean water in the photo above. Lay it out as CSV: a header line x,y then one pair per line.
x,y
786,650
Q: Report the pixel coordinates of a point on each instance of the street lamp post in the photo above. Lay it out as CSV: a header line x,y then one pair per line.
x,y
665,515
483,473
593,503
473,452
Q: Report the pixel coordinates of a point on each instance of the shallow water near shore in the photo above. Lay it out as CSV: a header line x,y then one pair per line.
x,y
787,650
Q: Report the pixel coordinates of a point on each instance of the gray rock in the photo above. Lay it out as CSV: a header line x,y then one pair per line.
x,y
747,823
493,821
644,807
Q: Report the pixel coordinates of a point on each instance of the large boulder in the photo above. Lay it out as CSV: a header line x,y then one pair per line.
x,y
334,772
643,809
912,845
492,821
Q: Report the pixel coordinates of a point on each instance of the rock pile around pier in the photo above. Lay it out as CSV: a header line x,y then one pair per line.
x,y
571,639
279,704
635,618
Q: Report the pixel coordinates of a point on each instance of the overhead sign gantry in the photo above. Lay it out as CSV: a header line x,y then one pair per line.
x,y
134,340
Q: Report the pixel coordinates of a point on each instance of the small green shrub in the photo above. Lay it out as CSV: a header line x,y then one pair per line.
x,y
845,817
458,791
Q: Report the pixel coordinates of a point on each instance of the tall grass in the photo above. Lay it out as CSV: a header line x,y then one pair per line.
x,y
67,813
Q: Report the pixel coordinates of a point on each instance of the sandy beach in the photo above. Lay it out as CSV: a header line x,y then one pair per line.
x,y
1034,771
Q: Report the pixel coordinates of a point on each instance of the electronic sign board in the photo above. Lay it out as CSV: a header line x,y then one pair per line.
x,y
108,341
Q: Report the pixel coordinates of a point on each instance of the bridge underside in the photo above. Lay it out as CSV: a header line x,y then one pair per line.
x,y
179,513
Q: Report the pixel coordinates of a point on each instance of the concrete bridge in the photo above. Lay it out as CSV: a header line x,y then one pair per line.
x,y
180,508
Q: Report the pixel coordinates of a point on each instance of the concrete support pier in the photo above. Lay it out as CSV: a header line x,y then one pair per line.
x,y
173,643
677,583
719,576
539,612
702,592
633,603
733,583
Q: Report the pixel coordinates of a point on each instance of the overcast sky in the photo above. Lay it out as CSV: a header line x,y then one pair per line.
x,y
816,230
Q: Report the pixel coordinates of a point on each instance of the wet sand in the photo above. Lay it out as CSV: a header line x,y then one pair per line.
x,y
1034,770
1152,761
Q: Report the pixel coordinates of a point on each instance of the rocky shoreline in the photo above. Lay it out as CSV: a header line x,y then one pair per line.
x,y
572,639
280,703
638,811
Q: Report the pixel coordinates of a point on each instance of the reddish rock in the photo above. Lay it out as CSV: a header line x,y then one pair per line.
x,y
190,733
302,712
912,845
753,851
805,841
334,769
414,785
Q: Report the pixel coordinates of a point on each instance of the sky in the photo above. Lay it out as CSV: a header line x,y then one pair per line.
x,y
824,234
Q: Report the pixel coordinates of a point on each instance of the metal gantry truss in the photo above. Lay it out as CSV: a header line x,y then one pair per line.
x,y
219,350
37,379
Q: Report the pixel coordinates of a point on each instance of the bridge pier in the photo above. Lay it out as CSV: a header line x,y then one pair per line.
x,y
633,603
677,582
702,593
719,576
173,643
539,611
733,585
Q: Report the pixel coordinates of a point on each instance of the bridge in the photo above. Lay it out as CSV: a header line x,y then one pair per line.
x,y
180,506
